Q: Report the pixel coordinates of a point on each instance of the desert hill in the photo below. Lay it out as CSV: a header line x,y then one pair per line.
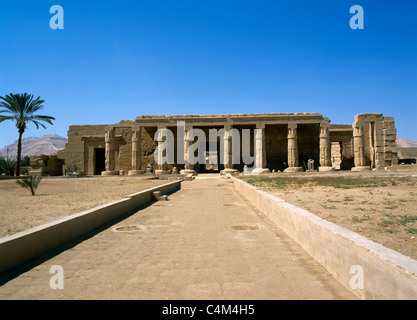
x,y
404,143
48,144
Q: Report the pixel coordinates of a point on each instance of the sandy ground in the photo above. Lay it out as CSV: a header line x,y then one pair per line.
x,y
190,247
381,206
58,197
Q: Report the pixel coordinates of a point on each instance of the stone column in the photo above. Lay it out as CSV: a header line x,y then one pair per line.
x,y
188,167
260,150
162,165
136,153
359,148
227,153
110,149
292,149
325,150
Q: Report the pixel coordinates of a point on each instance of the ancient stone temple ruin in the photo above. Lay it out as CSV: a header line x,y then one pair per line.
x,y
288,142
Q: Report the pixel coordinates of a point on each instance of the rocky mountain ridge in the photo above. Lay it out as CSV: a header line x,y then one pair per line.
x,y
47,144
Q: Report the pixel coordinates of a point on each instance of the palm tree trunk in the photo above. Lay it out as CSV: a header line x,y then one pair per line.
x,y
19,152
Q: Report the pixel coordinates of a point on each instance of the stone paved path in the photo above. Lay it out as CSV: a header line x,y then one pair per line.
x,y
206,242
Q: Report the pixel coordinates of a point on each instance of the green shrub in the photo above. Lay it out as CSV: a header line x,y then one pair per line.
x,y
31,183
25,161
7,166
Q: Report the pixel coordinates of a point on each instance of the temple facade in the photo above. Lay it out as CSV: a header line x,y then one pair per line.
x,y
289,142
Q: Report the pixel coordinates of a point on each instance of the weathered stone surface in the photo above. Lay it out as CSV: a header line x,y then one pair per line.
x,y
46,165
277,141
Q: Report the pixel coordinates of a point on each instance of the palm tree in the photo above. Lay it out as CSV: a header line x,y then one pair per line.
x,y
21,109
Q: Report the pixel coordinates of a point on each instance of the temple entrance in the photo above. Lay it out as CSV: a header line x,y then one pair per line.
x,y
212,160
99,160
276,144
308,145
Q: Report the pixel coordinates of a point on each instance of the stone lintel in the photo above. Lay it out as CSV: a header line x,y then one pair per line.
x,y
368,117
100,137
235,119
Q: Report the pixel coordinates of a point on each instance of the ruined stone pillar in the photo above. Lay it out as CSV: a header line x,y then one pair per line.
x,y
260,150
136,153
379,144
227,154
325,151
188,167
390,145
110,149
359,148
292,149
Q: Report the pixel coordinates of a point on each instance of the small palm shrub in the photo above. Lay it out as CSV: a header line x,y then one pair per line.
x,y
7,166
31,183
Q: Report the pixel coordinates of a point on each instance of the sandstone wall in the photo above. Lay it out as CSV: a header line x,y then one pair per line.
x,y
75,151
379,136
390,144
46,165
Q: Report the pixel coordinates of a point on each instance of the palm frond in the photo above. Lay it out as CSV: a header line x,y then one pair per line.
x,y
24,106
37,124
5,110
4,118
9,104
44,118
32,105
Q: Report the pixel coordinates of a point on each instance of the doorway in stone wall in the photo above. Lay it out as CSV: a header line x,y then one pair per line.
x,y
211,156
99,161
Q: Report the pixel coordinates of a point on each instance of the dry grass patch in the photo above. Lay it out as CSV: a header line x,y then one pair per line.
x,y
59,197
381,207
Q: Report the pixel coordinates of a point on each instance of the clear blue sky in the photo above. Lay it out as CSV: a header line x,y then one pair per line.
x,y
116,60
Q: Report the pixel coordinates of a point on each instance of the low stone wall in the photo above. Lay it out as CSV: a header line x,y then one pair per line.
x,y
11,177
404,167
21,247
368,269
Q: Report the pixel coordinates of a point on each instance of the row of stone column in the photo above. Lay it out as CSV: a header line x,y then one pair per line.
x,y
260,151
260,164
324,146
110,149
